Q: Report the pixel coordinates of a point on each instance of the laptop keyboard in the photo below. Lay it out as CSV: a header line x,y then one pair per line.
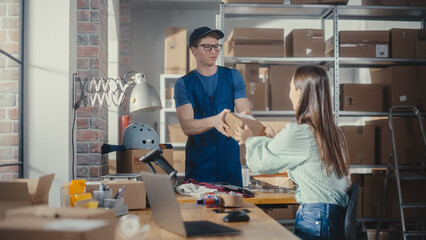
x,y
207,228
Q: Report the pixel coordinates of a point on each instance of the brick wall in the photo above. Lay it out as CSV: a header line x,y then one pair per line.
x,y
9,88
92,61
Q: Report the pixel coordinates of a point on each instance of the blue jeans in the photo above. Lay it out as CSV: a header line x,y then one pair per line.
x,y
320,221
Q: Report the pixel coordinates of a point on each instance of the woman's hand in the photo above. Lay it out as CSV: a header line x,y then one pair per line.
x,y
269,132
241,134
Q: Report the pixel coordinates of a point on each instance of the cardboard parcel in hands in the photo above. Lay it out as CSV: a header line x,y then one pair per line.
x,y
234,120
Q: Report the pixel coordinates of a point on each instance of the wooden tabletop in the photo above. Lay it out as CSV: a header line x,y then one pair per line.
x,y
259,198
260,225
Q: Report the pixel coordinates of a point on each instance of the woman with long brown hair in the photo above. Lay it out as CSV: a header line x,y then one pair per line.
x,y
313,151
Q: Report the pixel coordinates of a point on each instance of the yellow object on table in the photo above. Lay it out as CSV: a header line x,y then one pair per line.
x,y
79,197
77,186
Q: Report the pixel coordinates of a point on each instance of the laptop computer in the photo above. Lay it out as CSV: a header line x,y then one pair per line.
x,y
165,209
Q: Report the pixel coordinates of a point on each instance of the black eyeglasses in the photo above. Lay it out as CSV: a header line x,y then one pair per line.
x,y
209,47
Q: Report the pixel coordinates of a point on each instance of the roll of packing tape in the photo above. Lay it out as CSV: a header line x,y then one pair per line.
x,y
232,200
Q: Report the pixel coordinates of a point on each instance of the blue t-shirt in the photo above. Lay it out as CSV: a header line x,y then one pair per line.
x,y
210,84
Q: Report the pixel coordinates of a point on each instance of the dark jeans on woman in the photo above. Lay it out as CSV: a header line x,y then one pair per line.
x,y
320,221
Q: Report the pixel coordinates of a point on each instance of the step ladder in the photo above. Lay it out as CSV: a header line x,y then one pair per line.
x,y
393,171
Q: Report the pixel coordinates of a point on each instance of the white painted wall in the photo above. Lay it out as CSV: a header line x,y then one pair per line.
x,y
50,61
113,67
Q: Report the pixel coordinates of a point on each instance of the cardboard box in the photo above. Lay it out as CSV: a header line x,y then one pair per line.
x,y
234,120
410,194
355,178
337,2
128,161
421,43
408,140
361,97
179,160
134,194
254,1
372,195
403,43
280,79
175,50
46,212
260,36
305,43
410,91
24,192
53,229
418,3
257,96
385,2
288,212
368,44
361,144
255,42
249,71
277,126
255,50
192,62
176,134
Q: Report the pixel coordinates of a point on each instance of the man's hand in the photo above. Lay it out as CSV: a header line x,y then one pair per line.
x,y
241,134
219,124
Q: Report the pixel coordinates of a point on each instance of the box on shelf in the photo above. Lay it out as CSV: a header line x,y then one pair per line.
x,y
51,229
249,71
288,212
338,2
176,134
418,3
128,161
355,178
179,160
407,136
254,1
361,97
410,194
367,44
305,43
403,85
403,43
279,79
234,120
421,43
385,2
175,50
255,42
360,141
372,192
257,95
24,192
44,211
192,62
134,193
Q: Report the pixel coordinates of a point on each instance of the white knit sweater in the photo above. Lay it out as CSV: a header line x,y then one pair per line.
x,y
294,148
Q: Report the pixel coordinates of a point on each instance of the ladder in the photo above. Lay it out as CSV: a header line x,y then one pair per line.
x,y
402,111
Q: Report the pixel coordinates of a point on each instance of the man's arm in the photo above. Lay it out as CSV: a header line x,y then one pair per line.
x,y
191,126
243,106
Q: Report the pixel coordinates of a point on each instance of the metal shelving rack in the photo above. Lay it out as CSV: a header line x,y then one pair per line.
x,y
322,13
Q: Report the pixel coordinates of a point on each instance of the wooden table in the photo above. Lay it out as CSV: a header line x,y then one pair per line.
x,y
259,198
260,226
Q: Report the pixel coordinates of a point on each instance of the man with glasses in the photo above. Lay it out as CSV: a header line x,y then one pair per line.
x,y
203,97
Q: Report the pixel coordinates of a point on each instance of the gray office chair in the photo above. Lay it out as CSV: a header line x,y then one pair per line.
x,y
350,219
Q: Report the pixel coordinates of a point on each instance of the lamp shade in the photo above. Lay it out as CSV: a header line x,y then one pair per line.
x,y
143,98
